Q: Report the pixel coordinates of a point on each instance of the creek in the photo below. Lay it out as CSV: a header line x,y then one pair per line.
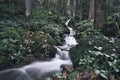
x,y
42,69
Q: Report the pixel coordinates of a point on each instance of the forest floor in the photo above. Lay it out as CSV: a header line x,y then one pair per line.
x,y
23,40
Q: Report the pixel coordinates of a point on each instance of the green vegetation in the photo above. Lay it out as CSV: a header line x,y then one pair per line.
x,y
97,51
23,40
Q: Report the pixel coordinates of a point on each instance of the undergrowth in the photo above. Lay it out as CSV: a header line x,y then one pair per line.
x,y
97,54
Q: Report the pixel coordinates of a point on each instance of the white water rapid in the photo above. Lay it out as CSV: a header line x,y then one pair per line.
x,y
40,70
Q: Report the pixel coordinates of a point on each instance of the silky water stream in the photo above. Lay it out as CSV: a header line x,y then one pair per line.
x,y
40,70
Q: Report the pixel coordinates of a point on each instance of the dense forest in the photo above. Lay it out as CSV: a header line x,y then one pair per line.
x,y
30,28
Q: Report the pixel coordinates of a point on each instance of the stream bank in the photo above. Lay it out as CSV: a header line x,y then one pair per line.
x,y
17,46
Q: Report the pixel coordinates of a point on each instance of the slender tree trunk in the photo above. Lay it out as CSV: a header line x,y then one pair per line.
x,y
80,9
68,10
64,8
74,8
109,5
78,12
99,14
58,6
28,6
61,7
91,10
46,4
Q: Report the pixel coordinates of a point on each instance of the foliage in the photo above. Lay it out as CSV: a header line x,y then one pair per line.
x,y
8,39
84,25
7,9
35,35
14,45
21,36
112,26
97,51
1,59
112,6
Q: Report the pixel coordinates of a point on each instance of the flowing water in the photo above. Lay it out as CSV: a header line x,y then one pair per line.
x,y
40,70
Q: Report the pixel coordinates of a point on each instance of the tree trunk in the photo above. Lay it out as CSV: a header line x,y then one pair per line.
x,y
46,4
74,8
80,9
78,12
28,7
100,16
68,11
91,10
61,7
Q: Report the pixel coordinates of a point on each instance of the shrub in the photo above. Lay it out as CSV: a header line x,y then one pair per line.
x,y
98,52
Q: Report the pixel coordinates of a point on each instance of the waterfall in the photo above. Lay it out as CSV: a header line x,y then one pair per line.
x,y
41,69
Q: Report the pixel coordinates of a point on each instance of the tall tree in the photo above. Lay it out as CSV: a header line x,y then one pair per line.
x,y
81,9
68,11
78,9
91,9
74,8
100,16
61,7
28,6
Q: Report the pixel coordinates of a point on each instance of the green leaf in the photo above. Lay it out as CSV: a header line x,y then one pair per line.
x,y
72,75
103,75
1,59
